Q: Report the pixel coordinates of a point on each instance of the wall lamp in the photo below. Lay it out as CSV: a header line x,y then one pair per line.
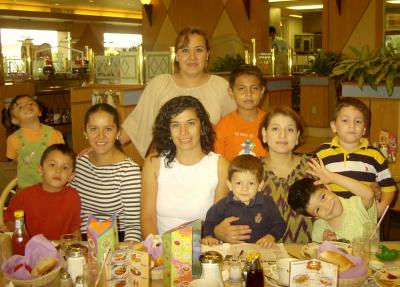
x,y
148,9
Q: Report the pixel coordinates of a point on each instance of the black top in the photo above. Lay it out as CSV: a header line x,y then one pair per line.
x,y
261,215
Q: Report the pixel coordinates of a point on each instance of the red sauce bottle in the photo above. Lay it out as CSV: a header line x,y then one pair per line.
x,y
20,236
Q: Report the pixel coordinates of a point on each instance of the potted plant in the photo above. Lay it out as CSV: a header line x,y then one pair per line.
x,y
370,68
317,91
223,66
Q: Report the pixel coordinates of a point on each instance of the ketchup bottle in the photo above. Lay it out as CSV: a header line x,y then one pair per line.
x,y
20,236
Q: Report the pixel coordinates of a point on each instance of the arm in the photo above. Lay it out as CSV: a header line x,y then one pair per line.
x,y
214,216
148,202
130,198
318,169
219,146
222,189
138,124
386,199
12,147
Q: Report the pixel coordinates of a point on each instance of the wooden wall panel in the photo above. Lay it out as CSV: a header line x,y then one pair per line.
x,y
339,27
207,15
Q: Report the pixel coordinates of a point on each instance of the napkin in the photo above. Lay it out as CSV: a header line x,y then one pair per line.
x,y
359,268
36,248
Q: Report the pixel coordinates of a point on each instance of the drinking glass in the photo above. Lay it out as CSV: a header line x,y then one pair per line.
x,y
361,248
90,273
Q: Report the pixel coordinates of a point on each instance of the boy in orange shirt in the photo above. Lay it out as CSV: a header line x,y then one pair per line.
x,y
237,132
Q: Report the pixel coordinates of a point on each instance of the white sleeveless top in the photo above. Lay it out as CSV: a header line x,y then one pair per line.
x,y
185,192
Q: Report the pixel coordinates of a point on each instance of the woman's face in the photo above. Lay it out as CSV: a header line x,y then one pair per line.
x,y
281,134
101,132
185,130
192,58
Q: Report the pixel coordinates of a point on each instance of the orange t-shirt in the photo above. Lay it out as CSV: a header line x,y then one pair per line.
x,y
235,136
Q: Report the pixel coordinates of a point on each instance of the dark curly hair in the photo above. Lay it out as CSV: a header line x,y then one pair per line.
x,y
162,141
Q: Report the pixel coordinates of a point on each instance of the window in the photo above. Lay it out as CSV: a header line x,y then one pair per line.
x,y
116,42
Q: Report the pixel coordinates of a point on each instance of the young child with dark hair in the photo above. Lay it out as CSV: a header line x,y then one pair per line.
x,y
237,132
51,208
27,144
245,202
350,154
337,217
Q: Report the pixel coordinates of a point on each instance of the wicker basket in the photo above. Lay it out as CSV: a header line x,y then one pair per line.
x,y
50,279
353,282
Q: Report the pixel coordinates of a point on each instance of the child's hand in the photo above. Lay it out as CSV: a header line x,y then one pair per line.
x,y
268,241
209,240
329,235
318,170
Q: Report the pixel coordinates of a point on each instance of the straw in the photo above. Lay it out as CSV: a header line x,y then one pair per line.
x,y
379,222
102,267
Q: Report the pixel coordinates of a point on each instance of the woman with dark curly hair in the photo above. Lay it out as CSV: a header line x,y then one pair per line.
x,y
182,178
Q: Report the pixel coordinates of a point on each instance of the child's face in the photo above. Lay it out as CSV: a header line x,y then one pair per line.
x,y
324,204
244,185
349,126
281,134
247,92
101,132
57,169
185,130
24,111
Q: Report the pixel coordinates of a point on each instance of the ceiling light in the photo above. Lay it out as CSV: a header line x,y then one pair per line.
x,y
305,7
145,2
271,1
296,16
393,1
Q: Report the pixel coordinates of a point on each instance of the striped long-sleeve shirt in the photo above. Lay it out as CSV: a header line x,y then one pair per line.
x,y
366,164
110,189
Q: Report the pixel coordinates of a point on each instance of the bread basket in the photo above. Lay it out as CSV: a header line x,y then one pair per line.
x,y
49,279
353,282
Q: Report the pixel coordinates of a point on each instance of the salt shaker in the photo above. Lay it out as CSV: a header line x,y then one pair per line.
x,y
65,279
79,281
75,254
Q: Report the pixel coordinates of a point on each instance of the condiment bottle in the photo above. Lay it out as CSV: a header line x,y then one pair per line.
x,y
210,263
75,254
79,281
65,279
20,236
254,271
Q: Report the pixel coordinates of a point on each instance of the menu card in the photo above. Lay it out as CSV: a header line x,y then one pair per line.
x,y
313,273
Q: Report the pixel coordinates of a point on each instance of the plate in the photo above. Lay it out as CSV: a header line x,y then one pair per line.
x,y
388,277
271,276
309,250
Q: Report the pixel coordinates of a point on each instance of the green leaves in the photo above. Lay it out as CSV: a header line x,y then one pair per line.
x,y
324,62
369,68
387,254
227,63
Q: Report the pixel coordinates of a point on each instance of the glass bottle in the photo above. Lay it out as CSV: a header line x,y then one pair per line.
x,y
20,236
255,274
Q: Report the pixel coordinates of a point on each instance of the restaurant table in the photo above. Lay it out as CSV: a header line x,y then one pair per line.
x,y
294,250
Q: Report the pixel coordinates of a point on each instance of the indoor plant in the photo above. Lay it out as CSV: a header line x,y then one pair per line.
x,y
370,68
324,62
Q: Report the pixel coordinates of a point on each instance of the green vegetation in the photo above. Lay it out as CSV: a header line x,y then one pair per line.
x,y
227,63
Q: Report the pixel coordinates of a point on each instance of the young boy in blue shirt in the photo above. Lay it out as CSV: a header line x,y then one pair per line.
x,y
350,154
253,208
